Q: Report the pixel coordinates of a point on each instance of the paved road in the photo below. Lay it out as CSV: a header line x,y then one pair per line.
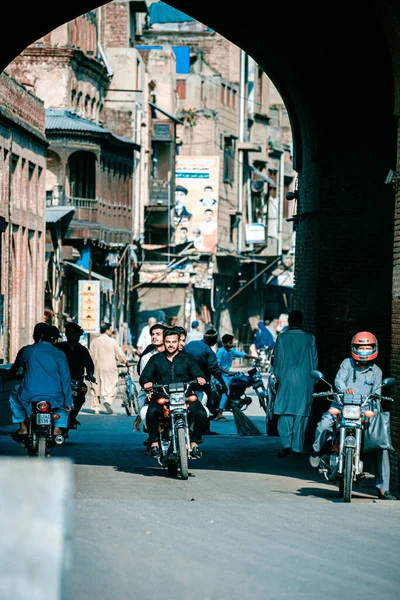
x,y
245,525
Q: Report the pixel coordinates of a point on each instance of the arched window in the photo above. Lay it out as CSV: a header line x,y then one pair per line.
x,y
82,174
87,106
73,94
78,102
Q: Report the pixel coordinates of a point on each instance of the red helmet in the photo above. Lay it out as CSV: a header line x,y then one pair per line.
x,y
364,338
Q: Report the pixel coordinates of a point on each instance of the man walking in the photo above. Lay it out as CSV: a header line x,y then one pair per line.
x,y
295,357
106,353
145,336
194,333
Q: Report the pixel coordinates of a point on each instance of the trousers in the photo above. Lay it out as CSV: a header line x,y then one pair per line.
x,y
291,430
196,411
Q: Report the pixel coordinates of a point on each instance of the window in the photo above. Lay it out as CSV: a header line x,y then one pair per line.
x,y
229,160
181,88
228,96
223,93
233,226
234,99
73,94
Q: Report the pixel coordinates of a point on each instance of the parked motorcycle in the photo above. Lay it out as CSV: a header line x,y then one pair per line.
x,y
174,434
129,394
264,354
352,411
240,382
40,440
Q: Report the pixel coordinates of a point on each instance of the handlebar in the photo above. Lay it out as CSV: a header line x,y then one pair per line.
x,y
187,384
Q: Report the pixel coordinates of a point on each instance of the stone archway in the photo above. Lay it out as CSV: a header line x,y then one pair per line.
x,y
337,69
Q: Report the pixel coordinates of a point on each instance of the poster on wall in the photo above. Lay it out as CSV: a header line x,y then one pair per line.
x,y
89,306
195,212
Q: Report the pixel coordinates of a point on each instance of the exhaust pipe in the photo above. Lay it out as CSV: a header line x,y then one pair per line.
x,y
59,439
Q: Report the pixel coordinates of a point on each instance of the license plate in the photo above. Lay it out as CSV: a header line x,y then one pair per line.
x,y
43,419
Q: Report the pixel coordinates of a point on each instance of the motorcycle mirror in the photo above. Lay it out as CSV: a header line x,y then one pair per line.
x,y
317,375
389,381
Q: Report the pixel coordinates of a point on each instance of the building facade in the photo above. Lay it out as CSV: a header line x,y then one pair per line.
x,y
23,149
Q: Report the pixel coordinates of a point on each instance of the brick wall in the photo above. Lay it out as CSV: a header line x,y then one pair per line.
x,y
20,103
115,26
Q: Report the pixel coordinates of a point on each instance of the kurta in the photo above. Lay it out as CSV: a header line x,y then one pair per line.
x,y
106,353
295,356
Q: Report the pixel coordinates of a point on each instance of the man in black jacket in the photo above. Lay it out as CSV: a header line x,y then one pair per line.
x,y
172,366
80,365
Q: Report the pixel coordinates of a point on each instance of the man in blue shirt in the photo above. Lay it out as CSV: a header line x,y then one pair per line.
x,y
46,375
225,356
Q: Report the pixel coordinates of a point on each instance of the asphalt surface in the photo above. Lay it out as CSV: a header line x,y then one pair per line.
x,y
246,524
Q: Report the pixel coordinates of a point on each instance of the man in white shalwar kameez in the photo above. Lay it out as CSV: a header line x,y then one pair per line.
x,y
295,356
106,353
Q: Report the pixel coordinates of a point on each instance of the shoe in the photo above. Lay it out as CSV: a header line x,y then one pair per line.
x,y
209,432
96,411
387,496
314,460
108,408
284,452
221,418
195,452
155,451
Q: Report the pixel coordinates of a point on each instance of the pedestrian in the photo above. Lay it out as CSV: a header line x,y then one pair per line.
x,y
106,353
145,337
202,352
194,333
295,356
225,356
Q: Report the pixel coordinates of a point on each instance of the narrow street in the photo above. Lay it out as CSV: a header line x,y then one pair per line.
x,y
245,524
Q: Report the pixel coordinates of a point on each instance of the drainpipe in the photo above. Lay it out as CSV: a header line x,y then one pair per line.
x,y
280,200
240,157
10,232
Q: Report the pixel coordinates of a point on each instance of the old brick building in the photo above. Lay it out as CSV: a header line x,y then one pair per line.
x,y
90,169
23,148
234,117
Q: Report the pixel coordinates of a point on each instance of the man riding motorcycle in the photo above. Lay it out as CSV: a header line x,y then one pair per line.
x,y
172,366
80,365
46,374
357,375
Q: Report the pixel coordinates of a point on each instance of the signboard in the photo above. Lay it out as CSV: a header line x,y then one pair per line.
x,y
195,212
255,233
89,306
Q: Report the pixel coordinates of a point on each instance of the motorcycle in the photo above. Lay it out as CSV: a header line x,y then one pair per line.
x,y
265,354
174,430
240,381
344,463
40,440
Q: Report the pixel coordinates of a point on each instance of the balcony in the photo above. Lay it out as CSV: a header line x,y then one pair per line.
x,y
159,192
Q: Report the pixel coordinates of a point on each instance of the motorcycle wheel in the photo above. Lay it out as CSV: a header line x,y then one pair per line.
x,y
41,452
172,469
128,406
348,474
261,399
183,456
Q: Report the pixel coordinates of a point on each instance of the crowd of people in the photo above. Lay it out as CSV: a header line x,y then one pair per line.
x,y
171,354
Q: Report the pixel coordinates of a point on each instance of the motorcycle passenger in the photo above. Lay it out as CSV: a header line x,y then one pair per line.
x,y
172,366
80,365
225,356
13,373
182,337
157,345
357,375
46,374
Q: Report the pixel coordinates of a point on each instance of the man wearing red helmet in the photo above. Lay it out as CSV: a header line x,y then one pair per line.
x,y
357,375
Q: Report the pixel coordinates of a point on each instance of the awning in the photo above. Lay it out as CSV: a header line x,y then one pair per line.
x,y
262,175
59,214
106,284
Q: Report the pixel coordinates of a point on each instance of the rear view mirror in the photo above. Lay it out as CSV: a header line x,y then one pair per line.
x,y
317,375
389,381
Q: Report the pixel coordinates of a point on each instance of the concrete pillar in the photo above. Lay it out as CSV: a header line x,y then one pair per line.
x,y
35,521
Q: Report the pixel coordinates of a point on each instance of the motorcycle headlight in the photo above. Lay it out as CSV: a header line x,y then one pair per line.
x,y
351,412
